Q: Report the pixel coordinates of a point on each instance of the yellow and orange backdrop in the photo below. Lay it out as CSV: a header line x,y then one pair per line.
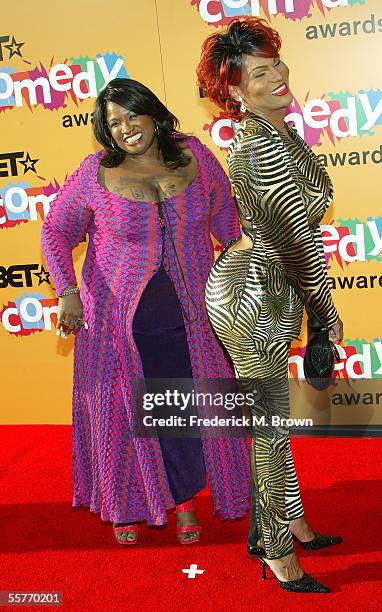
x,y
55,58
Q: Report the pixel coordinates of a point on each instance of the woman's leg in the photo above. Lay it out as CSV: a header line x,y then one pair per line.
x,y
235,305
274,487
293,504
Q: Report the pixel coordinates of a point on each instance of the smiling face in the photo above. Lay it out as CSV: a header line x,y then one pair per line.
x,y
264,85
134,134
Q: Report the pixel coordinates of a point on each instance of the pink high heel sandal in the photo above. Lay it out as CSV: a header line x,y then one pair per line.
x,y
133,528
187,507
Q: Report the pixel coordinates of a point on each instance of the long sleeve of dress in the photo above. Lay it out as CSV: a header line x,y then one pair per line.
x,y
224,219
263,181
65,226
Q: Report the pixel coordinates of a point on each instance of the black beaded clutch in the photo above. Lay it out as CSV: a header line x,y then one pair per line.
x,y
321,354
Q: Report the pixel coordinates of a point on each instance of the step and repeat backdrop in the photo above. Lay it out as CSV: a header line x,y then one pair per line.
x,y
55,58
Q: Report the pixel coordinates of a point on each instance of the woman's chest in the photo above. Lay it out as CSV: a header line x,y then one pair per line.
x,y
153,183
125,219
310,178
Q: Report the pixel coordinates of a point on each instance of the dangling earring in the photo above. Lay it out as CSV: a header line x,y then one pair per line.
x,y
114,147
243,108
156,128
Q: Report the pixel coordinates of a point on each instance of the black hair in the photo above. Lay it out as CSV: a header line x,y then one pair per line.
x,y
139,99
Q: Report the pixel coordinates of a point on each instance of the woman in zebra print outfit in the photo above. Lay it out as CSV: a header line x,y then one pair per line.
x,y
256,290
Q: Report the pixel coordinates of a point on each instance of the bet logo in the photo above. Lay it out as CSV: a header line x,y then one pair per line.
x,y
9,161
13,47
22,275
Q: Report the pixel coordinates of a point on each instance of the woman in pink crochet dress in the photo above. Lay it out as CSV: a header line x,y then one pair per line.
x,y
148,202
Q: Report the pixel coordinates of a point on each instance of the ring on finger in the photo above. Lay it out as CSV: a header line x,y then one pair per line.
x,y
81,323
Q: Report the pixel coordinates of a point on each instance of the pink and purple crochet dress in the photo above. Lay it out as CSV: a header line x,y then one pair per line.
x,y
123,477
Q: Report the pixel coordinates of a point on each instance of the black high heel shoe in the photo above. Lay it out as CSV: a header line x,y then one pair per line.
x,y
255,551
319,541
305,584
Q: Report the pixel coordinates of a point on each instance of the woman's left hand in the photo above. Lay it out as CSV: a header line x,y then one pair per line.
x,y
70,315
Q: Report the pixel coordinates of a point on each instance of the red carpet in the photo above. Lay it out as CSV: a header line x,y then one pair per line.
x,y
46,546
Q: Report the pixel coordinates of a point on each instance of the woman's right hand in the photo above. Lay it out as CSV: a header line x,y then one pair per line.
x,y
336,333
70,315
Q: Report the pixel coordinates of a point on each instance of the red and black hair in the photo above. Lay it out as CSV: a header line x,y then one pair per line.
x,y
220,61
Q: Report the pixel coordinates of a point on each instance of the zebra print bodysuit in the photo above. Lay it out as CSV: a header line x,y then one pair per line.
x,y
255,300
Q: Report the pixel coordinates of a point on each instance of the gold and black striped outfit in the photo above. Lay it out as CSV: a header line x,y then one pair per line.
x,y
255,302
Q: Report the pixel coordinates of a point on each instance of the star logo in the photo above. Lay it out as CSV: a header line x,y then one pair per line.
x,y
29,164
43,276
14,48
